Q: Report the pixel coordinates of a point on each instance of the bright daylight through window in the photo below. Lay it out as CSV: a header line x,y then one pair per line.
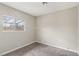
x,y
11,24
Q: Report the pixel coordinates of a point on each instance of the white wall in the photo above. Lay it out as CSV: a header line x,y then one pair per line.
x,y
13,40
58,29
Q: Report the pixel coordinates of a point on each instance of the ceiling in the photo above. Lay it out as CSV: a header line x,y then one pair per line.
x,y
37,8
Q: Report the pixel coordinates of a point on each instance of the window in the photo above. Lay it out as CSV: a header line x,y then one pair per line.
x,y
11,24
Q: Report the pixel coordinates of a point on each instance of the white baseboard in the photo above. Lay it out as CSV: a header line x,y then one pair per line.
x,y
58,47
38,42
16,48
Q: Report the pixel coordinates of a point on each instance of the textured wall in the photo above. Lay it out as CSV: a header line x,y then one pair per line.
x,y
12,40
58,29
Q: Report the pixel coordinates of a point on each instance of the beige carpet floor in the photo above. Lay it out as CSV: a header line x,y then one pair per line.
x,y
37,49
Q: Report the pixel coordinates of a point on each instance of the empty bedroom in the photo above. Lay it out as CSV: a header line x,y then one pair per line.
x,y
39,28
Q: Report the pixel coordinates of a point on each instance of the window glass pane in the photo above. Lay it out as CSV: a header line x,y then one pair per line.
x,y
8,23
19,25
